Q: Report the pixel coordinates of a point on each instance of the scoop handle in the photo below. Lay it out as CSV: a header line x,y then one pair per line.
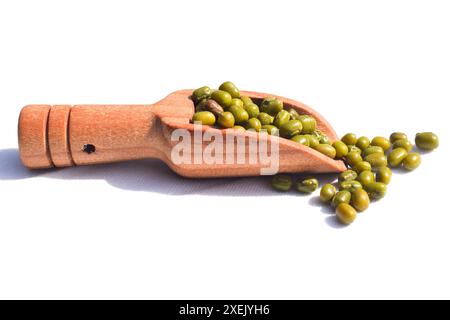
x,y
65,135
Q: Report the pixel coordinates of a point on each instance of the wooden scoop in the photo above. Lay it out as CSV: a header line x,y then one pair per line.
x,y
65,135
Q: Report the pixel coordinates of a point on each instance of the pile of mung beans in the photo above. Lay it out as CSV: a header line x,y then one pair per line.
x,y
226,108
369,162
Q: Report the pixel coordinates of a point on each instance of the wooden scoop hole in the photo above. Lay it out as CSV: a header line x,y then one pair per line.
x,y
89,148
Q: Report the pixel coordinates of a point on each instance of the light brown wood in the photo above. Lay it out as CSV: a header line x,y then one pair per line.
x,y
58,140
65,135
33,142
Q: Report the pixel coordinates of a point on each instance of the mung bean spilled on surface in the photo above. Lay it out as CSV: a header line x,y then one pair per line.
x,y
369,160
307,185
427,141
345,213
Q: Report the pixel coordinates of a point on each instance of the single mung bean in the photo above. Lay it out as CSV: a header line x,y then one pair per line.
x,y
290,128
240,115
308,124
282,182
397,136
302,139
384,175
252,110
362,166
363,143
211,106
226,120
238,102
360,199
341,149
402,143
347,175
271,130
205,117
427,141
396,157
201,93
313,141
354,148
372,149
366,177
381,142
230,88
246,100
326,149
294,114
271,105
222,97
327,192
282,118
343,196
323,138
349,139
352,158
345,213
308,185
201,106
376,160
376,190
350,185
253,124
265,118
412,161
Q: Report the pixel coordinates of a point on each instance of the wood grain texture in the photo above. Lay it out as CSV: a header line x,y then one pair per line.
x,y
118,133
59,136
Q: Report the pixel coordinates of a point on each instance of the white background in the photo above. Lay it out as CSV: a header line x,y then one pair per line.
x,y
136,230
